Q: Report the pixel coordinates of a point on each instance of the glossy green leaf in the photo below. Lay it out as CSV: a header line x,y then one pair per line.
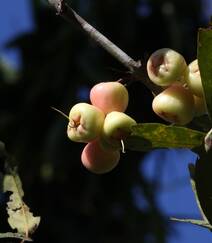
x,y
148,136
205,64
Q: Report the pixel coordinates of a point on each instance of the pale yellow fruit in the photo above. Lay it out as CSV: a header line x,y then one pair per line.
x,y
200,106
166,66
194,80
117,127
85,122
175,105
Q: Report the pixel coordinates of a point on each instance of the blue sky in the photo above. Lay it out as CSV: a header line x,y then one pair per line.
x,y
175,197
15,18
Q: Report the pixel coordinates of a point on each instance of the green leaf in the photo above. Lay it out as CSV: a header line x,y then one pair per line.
x,y
148,136
204,55
20,217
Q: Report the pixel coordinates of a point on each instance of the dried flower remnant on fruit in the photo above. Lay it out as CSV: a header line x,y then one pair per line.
x,y
159,63
85,122
78,124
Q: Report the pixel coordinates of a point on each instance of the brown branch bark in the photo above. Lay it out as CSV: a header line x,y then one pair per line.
x,y
135,67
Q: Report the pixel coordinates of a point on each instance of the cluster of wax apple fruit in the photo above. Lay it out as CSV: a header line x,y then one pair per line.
x,y
182,98
102,125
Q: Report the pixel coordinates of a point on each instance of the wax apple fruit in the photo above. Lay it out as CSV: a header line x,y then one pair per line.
x,y
109,96
200,106
194,79
99,160
175,104
85,122
117,126
166,66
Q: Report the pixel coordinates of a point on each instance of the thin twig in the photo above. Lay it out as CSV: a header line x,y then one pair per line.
x,y
201,223
191,168
63,9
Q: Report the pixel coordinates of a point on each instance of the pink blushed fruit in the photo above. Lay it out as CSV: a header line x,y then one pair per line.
x,y
166,66
85,122
175,104
99,160
109,96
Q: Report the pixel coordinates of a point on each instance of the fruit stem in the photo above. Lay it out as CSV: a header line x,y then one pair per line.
x,y
122,147
61,113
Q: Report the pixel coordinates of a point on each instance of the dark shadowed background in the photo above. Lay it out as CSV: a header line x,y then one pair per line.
x,y
47,62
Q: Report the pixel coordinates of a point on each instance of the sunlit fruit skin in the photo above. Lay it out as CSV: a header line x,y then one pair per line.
x,y
200,106
85,122
117,126
194,81
166,66
99,160
110,96
175,105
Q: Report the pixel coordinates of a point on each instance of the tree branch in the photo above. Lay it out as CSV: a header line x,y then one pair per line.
x,y
135,67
